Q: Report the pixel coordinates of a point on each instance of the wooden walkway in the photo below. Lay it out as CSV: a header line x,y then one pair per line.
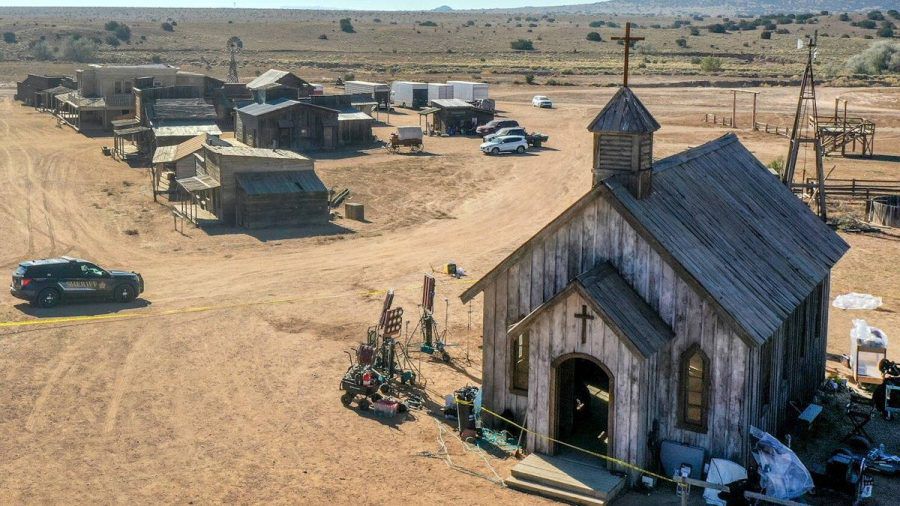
x,y
573,479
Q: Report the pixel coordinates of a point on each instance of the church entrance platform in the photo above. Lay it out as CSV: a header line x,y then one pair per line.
x,y
577,479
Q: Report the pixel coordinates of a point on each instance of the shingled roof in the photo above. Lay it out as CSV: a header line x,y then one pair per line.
x,y
747,240
624,113
620,307
726,221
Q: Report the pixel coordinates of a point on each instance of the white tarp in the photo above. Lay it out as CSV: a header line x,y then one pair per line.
x,y
722,472
409,132
855,300
868,336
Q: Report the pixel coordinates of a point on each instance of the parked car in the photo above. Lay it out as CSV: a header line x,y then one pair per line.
x,y
494,125
542,101
47,282
535,139
505,144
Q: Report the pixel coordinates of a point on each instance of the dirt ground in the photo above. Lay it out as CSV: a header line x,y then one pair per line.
x,y
240,404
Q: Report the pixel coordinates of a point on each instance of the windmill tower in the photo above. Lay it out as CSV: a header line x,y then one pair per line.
x,y
234,45
806,131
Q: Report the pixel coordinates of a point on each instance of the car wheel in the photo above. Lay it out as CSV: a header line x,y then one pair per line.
x,y
495,151
48,297
124,293
520,149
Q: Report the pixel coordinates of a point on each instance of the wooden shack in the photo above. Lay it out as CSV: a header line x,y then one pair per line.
x,y
270,125
280,199
681,299
223,163
278,84
28,90
454,116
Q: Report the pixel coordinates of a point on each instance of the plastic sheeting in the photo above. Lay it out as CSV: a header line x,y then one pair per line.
x,y
868,336
855,300
782,474
722,472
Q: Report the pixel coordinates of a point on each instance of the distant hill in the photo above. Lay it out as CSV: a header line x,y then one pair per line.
x,y
443,8
719,6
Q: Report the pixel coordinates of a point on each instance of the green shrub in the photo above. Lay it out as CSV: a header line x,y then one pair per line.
x,y
346,25
111,26
9,37
882,57
777,165
427,23
868,24
80,50
167,27
594,37
875,15
681,42
123,32
112,40
529,78
156,59
41,51
844,17
711,64
596,24
695,31
886,31
522,45
765,35
894,14
716,28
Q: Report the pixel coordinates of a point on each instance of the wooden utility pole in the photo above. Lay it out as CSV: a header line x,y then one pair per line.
x,y
798,137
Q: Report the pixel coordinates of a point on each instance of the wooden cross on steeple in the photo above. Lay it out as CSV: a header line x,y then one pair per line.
x,y
628,40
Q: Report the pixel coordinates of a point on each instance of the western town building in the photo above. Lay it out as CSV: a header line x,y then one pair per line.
x,y
318,122
29,90
276,84
681,300
104,93
253,187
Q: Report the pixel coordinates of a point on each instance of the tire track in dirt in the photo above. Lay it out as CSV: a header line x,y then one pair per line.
x,y
120,386
63,364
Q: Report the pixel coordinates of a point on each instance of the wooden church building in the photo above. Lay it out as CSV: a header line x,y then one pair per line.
x,y
680,300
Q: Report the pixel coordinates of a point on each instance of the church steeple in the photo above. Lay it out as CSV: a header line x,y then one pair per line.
x,y
623,136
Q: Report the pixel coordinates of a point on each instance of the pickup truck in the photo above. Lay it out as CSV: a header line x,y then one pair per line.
x,y
533,139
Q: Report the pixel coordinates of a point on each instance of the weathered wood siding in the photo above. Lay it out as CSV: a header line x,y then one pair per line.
x,y
798,362
598,232
557,333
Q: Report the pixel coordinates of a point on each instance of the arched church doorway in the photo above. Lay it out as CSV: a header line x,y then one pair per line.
x,y
582,404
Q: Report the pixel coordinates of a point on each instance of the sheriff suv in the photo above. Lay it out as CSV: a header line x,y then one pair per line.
x,y
47,282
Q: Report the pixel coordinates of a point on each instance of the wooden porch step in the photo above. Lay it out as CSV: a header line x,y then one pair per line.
x,y
552,492
569,474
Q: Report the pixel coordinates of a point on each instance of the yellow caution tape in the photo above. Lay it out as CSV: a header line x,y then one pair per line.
x,y
589,452
199,309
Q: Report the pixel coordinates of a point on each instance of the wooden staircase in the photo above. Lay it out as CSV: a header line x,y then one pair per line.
x,y
566,478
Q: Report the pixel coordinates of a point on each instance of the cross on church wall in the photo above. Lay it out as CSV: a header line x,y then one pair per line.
x,y
628,40
584,316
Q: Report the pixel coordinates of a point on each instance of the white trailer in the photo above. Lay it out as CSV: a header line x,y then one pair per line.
x,y
380,92
439,91
409,94
468,90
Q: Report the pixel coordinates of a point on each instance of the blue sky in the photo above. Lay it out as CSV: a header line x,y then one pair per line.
x,y
332,4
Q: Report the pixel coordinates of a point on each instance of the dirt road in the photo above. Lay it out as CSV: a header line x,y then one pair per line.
x,y
242,404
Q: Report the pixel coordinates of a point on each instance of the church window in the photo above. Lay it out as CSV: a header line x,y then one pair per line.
x,y
519,363
694,389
